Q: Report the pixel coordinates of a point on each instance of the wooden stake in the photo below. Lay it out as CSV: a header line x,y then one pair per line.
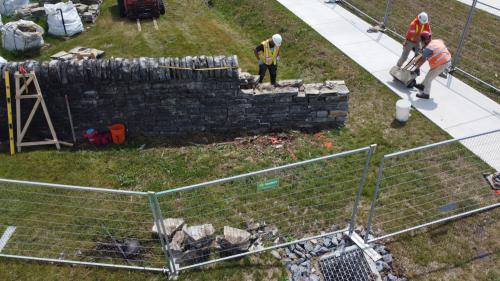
x,y
155,24
139,25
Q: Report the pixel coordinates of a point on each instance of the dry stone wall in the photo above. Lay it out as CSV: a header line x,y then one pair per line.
x,y
176,97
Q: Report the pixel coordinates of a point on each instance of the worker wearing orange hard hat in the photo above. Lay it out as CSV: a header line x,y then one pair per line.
x,y
268,56
439,57
412,38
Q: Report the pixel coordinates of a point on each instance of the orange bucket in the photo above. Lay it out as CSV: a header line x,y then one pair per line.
x,y
117,133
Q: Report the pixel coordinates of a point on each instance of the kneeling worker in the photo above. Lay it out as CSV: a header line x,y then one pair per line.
x,y
412,39
268,55
439,58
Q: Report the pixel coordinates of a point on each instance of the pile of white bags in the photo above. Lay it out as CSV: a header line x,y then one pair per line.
x,y
63,19
9,7
22,35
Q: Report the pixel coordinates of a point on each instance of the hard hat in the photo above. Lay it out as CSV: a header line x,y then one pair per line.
x,y
277,39
426,35
423,18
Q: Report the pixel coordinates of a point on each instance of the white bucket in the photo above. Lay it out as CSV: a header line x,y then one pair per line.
x,y
403,110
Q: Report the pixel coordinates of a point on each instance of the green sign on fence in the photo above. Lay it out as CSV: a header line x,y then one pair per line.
x,y
267,184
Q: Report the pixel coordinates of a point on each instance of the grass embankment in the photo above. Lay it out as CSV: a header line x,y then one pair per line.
x,y
480,53
235,27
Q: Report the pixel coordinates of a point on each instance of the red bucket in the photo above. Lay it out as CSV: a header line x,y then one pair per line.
x,y
117,133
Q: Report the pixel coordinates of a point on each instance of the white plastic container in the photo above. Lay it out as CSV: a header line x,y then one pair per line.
x,y
403,110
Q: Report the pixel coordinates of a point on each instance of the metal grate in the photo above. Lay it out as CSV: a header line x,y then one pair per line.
x,y
351,266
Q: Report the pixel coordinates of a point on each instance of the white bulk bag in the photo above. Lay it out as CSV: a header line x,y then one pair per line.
x,y
9,7
22,35
63,19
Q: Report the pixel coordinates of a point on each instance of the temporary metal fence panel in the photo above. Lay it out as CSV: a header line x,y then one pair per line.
x,y
79,225
300,201
476,53
480,52
434,183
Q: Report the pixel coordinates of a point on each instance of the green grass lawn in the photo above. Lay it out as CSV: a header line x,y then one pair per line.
x,y
235,27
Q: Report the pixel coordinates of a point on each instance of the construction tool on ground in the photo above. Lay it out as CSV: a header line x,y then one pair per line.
x,y
407,74
70,117
9,112
22,93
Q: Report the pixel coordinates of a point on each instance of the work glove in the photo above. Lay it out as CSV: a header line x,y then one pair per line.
x,y
261,62
277,58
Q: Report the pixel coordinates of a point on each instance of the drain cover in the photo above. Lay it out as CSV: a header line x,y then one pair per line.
x,y
351,266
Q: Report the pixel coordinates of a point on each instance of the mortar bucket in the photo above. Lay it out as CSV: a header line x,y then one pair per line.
x,y
117,133
403,110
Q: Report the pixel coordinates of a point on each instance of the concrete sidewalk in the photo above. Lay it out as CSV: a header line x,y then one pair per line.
x,y
490,6
454,106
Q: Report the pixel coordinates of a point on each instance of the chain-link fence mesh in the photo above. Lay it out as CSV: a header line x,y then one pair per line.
x,y
289,203
420,186
79,225
480,54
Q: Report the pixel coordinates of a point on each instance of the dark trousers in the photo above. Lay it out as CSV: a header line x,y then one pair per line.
x,y
272,71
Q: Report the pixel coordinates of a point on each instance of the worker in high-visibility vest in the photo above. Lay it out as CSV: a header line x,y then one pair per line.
x,y
439,57
268,56
412,39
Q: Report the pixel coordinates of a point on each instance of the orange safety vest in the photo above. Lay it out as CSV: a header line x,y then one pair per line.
x,y
270,56
415,29
440,54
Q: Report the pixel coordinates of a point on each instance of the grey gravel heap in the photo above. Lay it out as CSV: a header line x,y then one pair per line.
x,y
300,259
157,97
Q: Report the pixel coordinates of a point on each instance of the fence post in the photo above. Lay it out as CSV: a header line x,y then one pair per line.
x,y
160,226
360,188
374,199
388,7
458,53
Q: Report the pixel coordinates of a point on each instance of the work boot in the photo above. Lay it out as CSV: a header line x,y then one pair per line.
x,y
423,96
421,87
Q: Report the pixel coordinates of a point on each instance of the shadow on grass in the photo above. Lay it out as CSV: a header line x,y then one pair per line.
x,y
115,13
395,124
484,256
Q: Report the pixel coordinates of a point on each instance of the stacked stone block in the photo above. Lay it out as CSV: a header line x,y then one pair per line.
x,y
159,97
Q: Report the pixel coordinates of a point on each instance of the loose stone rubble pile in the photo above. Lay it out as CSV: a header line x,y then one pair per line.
x,y
88,10
193,244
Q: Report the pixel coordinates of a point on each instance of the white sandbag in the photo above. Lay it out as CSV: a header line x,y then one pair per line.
x,y
22,35
63,19
9,7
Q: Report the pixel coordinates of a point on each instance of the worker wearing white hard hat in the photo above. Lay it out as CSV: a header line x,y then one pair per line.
x,y
412,39
268,56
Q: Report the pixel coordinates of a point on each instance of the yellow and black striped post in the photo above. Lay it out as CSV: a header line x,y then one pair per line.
x,y
9,113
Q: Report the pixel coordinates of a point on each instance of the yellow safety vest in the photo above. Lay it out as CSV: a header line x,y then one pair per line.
x,y
269,57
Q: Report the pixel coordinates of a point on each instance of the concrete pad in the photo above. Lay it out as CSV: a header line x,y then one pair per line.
x,y
490,6
454,106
